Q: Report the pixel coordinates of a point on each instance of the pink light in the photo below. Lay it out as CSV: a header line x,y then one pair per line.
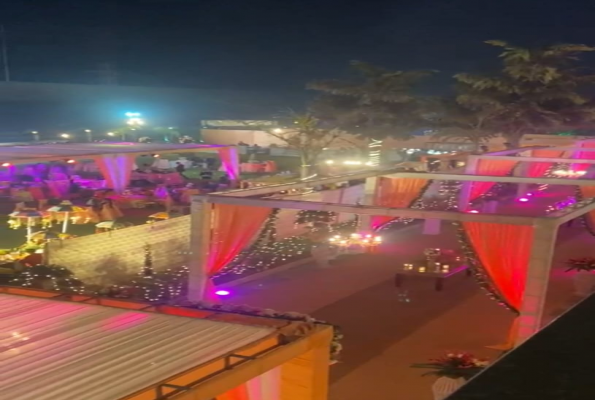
x,y
70,161
6,164
523,199
529,194
474,212
222,293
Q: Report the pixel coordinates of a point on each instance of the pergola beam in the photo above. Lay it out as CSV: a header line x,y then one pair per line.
x,y
368,210
491,178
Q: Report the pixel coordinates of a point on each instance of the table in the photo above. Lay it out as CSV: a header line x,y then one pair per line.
x,y
438,276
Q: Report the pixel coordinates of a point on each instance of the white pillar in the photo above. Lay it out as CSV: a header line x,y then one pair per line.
x,y
465,193
522,171
200,237
538,275
365,221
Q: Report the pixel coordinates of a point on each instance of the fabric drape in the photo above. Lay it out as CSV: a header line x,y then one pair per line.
x,y
538,169
489,167
396,193
232,227
264,387
238,393
584,155
230,162
504,252
116,170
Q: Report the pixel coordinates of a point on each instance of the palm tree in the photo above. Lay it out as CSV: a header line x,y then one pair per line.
x,y
537,91
305,134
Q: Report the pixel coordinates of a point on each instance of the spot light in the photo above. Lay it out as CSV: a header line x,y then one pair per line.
x,y
222,293
6,164
523,199
71,161
474,212
155,155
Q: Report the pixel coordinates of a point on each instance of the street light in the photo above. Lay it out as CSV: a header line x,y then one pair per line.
x,y
111,134
135,121
64,135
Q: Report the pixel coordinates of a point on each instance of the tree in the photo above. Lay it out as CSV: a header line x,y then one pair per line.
x,y
537,91
307,136
460,123
375,102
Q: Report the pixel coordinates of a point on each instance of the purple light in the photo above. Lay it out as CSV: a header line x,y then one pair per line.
x,y
523,199
529,194
222,293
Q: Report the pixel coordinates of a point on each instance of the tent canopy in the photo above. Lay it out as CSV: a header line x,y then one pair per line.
x,y
33,153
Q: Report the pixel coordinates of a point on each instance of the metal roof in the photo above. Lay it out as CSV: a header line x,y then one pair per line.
x,y
31,153
70,351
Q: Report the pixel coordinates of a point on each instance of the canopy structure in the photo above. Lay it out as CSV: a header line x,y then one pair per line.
x,y
115,160
538,230
57,349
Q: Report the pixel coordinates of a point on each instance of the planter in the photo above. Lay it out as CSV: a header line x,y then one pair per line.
x,y
584,281
444,387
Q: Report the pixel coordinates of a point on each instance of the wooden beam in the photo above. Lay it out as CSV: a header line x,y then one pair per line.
x,y
490,178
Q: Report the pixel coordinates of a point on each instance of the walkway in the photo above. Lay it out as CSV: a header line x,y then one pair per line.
x,y
387,329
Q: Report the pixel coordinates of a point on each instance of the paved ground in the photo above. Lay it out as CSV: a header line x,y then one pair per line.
x,y
386,329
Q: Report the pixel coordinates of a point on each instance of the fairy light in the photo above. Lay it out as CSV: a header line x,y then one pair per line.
x,y
374,149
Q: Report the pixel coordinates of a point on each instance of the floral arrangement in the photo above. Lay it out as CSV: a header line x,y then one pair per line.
x,y
336,346
581,264
454,365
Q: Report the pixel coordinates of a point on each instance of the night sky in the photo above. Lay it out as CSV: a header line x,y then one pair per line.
x,y
272,45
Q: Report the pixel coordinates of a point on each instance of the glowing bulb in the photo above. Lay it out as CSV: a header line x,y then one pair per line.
x,y
6,164
65,135
277,130
329,162
111,134
523,199
222,293
474,212
70,161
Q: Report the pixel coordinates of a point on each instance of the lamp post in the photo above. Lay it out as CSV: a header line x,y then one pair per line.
x,y
89,134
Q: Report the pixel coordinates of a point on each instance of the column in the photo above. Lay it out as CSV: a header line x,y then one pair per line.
x,y
306,377
538,275
200,236
522,171
465,193
365,221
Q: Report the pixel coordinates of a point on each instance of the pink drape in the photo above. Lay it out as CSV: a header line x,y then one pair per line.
x,y
264,387
493,168
585,155
538,169
395,193
504,252
230,161
232,229
116,170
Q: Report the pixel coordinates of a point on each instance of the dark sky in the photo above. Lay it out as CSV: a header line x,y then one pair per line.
x,y
272,45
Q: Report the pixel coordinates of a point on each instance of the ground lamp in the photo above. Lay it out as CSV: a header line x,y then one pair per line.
x,y
66,208
29,216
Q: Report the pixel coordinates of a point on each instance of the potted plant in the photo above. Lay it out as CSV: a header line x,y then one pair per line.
x,y
452,370
584,278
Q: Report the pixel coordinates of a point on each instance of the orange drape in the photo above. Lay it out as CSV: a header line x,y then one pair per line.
x,y
587,192
489,167
233,227
538,169
396,193
504,252
239,393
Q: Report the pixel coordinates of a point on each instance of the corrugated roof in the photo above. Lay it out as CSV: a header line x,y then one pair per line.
x,y
70,351
45,152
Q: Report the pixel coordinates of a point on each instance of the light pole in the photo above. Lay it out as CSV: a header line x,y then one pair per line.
x,y
89,134
35,135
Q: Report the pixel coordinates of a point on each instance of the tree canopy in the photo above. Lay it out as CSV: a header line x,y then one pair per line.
x,y
373,102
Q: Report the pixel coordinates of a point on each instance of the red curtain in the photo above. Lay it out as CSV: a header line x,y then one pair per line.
x,y
239,393
504,252
395,193
233,227
489,167
538,169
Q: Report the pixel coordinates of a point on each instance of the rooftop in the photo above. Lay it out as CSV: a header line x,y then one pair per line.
x,y
52,349
59,151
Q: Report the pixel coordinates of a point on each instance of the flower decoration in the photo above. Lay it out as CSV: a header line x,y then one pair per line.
x,y
454,365
581,264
